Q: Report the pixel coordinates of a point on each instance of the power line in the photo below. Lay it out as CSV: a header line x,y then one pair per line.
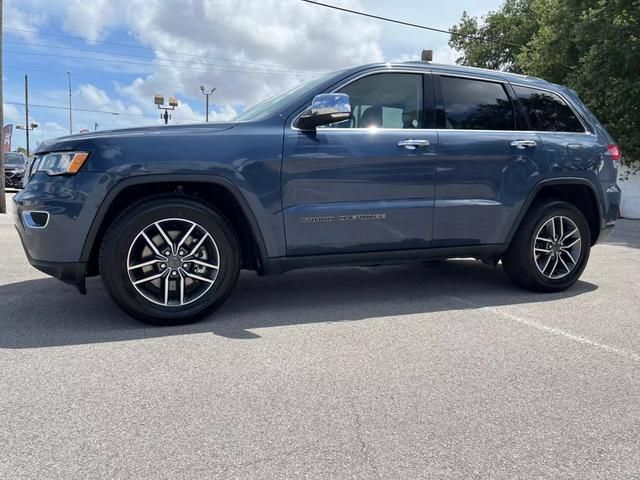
x,y
140,47
106,112
407,24
183,88
156,65
272,68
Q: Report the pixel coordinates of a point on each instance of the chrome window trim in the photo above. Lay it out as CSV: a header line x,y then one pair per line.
x,y
422,71
566,101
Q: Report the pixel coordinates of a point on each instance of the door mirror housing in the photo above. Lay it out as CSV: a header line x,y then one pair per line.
x,y
325,109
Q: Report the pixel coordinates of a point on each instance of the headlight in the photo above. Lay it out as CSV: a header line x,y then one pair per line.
x,y
62,163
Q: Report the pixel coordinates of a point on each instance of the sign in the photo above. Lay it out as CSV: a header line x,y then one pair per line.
x,y
6,138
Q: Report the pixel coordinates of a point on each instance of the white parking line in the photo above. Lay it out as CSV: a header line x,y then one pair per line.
x,y
556,331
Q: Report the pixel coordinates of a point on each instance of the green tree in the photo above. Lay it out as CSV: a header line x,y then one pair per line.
x,y
592,46
495,41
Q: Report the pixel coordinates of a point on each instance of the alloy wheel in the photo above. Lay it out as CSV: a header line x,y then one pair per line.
x,y
557,247
173,262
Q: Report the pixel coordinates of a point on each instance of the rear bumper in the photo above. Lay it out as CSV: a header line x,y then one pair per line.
x,y
610,213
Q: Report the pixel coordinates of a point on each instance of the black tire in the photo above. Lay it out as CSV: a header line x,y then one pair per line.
x,y
124,230
519,262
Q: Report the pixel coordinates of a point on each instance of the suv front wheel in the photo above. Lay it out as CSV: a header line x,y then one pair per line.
x,y
170,260
550,249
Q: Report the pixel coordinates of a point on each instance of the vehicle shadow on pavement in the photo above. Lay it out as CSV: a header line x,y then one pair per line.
x,y
44,312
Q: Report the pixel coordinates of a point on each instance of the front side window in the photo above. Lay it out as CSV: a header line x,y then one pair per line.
x,y
385,100
547,112
476,105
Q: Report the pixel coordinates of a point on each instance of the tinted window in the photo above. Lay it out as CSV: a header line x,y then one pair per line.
x,y
386,100
547,112
476,105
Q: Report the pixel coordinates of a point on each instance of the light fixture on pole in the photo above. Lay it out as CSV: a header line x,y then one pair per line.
x,y
202,89
28,128
158,100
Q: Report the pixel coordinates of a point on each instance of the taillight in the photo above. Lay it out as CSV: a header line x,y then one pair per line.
x,y
614,151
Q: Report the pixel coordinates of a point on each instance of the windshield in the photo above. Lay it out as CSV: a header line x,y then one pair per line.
x,y
14,159
276,103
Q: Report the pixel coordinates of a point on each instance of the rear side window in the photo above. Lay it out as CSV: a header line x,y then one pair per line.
x,y
547,112
476,105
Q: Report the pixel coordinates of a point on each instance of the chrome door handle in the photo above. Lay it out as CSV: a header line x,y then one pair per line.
x,y
522,144
410,144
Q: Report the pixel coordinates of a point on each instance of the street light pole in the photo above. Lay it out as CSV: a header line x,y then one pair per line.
x,y
70,121
26,111
207,100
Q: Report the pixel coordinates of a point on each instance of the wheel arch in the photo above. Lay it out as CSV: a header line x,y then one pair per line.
x,y
578,191
219,192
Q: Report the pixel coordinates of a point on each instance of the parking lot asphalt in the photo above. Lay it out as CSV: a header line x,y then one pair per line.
x,y
418,371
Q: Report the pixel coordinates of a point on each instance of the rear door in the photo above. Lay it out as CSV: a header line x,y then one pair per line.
x,y
487,161
569,144
366,184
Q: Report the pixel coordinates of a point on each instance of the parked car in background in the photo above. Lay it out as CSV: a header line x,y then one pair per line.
x,y
15,166
382,163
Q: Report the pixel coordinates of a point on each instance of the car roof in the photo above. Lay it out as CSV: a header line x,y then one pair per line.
x,y
461,70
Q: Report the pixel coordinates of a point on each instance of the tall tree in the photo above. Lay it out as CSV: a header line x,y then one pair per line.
x,y
495,40
593,46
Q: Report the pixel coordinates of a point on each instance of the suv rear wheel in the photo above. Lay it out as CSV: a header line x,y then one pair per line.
x,y
551,248
170,260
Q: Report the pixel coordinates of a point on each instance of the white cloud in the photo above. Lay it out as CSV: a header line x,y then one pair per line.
x,y
89,19
248,49
23,23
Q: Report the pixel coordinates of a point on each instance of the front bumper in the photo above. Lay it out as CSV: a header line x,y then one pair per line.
x,y
13,179
73,273
69,204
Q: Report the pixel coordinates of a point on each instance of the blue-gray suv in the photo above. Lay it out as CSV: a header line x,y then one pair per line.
x,y
378,164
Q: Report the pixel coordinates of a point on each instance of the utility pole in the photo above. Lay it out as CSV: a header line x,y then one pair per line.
x,y
207,101
70,122
26,111
27,126
3,203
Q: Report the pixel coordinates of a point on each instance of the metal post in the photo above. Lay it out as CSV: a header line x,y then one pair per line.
x,y
70,120
202,89
26,111
3,203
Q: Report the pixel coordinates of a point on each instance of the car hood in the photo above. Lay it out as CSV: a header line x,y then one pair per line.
x,y
72,142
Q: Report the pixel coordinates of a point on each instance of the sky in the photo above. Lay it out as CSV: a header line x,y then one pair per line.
x,y
123,52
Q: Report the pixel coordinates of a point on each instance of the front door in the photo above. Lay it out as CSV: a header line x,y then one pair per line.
x,y
366,184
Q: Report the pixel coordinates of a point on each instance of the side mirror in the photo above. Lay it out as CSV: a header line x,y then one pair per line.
x,y
325,109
